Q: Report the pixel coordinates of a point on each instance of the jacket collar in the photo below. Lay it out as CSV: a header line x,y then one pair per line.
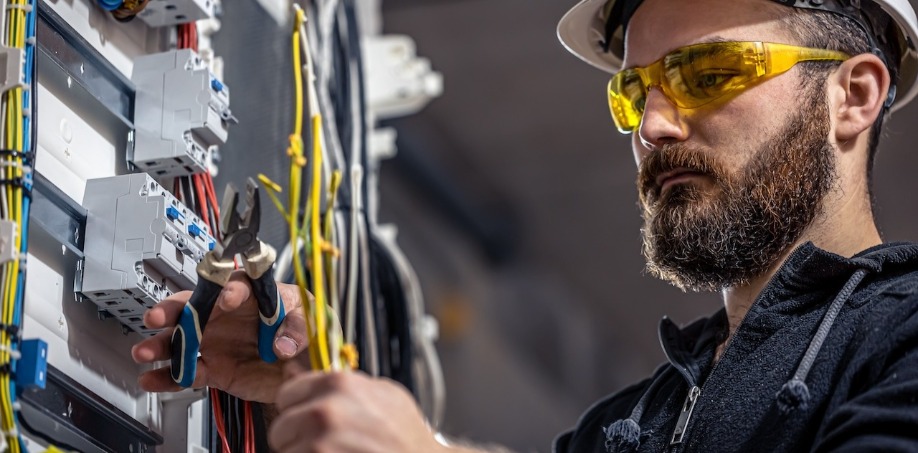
x,y
810,267
808,270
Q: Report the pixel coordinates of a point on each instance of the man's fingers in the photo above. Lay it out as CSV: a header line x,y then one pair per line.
x,y
300,388
160,379
292,428
311,385
236,291
291,338
166,313
158,347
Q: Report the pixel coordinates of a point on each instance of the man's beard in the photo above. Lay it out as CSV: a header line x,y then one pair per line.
x,y
708,240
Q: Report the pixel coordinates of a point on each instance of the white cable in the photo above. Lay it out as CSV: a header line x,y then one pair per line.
x,y
369,311
353,258
284,260
341,234
333,295
326,27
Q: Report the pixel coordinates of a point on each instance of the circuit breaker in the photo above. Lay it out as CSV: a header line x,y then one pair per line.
x,y
181,114
161,13
141,245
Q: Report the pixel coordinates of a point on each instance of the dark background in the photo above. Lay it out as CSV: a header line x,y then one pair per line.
x,y
514,198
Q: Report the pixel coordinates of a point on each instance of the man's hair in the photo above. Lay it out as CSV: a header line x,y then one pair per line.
x,y
825,30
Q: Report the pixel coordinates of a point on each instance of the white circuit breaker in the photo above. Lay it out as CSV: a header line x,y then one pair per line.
x,y
162,13
181,113
144,245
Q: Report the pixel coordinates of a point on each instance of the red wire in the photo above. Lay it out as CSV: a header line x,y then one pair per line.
x,y
193,35
202,200
249,428
187,36
212,196
182,42
218,418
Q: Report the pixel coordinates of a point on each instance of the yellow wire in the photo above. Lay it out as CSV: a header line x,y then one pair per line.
x,y
297,161
318,277
272,189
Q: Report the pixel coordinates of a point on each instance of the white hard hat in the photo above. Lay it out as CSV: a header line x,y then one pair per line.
x,y
593,31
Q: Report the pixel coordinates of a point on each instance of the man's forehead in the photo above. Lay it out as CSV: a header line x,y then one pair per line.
x,y
660,26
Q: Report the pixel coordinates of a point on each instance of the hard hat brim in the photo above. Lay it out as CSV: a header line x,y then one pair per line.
x,y
581,33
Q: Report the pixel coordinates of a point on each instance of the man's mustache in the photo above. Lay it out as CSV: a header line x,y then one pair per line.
x,y
671,159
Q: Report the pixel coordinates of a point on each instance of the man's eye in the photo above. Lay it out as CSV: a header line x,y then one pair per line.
x,y
711,80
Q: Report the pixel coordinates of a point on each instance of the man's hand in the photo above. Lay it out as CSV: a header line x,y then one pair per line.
x,y
229,348
347,412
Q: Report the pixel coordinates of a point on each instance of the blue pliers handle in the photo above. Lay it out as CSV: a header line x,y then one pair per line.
x,y
241,238
186,338
271,314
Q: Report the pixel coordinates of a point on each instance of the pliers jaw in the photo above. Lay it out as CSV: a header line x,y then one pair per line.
x,y
240,230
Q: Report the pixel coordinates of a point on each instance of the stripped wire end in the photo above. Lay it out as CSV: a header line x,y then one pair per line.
x,y
295,150
272,189
350,356
330,249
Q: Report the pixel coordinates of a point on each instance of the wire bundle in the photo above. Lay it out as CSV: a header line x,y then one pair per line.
x,y
312,230
187,36
367,310
15,187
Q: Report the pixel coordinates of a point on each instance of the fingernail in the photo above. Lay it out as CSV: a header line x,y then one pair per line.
x,y
285,346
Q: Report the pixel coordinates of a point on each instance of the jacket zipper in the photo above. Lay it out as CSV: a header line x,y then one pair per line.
x,y
687,407
694,394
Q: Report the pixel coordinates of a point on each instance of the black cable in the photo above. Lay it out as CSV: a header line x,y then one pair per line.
x,y
398,340
237,414
188,194
261,427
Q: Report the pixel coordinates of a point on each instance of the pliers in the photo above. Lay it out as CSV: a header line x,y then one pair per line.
x,y
240,238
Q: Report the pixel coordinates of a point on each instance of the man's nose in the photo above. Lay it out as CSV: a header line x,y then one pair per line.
x,y
662,122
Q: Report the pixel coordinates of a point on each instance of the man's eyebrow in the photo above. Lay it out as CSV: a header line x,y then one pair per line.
x,y
715,39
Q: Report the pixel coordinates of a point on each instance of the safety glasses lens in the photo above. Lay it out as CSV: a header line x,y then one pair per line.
x,y
626,100
691,77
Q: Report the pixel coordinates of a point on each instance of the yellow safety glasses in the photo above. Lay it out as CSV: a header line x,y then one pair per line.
x,y
696,75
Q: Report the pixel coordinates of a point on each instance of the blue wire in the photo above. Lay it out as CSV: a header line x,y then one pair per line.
x,y
27,183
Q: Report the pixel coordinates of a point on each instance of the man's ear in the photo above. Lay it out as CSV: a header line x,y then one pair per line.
x,y
860,88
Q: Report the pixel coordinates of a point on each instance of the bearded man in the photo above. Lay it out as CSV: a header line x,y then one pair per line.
x,y
754,126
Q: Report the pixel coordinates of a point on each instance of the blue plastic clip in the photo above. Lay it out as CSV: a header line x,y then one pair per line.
x,y
172,213
32,367
216,85
195,230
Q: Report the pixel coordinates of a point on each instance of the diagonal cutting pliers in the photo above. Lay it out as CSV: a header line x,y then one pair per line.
x,y
240,238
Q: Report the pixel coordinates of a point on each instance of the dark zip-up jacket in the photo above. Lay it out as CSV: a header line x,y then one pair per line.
x,y
825,360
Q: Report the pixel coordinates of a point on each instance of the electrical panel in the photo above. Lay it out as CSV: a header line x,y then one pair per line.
x,y
144,246
134,113
162,13
182,113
